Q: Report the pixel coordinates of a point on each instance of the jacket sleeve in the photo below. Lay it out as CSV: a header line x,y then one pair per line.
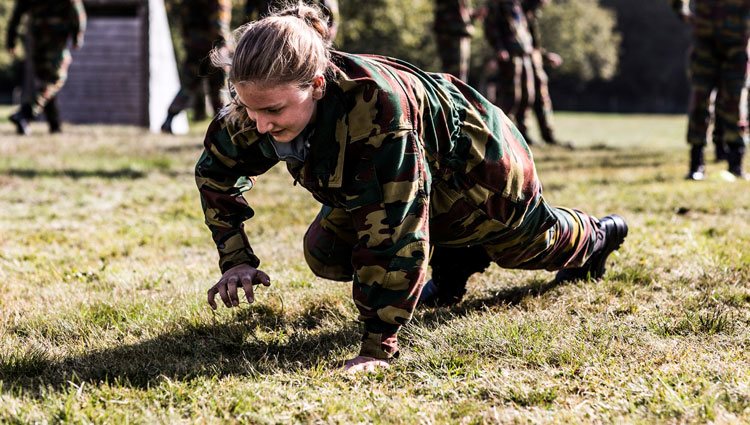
x,y
389,205
223,172
19,9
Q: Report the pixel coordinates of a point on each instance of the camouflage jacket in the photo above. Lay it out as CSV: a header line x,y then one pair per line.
x,y
205,23
505,27
727,20
49,18
415,158
453,17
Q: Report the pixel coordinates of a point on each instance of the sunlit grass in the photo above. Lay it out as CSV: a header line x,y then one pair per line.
x,y
105,261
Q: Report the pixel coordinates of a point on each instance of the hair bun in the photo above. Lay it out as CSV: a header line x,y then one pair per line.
x,y
313,17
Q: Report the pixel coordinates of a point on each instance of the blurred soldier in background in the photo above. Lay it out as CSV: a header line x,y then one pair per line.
x,y
718,61
542,104
256,9
507,32
204,25
52,25
453,28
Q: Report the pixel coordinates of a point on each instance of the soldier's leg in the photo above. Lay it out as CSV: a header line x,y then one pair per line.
x,y
51,64
509,85
199,102
717,132
52,113
191,79
216,84
542,102
51,61
451,269
328,244
704,72
527,98
449,50
732,106
574,243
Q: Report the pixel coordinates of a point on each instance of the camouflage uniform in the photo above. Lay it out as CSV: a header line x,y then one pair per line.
x,y
542,102
205,25
718,61
402,160
453,30
506,30
52,25
260,8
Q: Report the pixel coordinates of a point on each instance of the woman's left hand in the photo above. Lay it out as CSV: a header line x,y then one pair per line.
x,y
364,364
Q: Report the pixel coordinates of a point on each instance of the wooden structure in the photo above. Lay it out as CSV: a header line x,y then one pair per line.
x,y
126,72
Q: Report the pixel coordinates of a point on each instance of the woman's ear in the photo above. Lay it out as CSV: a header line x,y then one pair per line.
x,y
319,87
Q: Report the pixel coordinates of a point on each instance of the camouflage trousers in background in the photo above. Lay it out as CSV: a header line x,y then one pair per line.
x,y
515,88
51,60
542,102
536,244
714,66
195,69
455,52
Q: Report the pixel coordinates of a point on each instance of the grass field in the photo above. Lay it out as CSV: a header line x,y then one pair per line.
x,y
105,262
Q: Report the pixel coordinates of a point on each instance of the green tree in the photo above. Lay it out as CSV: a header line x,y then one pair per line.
x,y
399,28
583,33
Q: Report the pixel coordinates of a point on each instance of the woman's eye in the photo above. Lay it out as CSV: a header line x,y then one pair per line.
x,y
274,110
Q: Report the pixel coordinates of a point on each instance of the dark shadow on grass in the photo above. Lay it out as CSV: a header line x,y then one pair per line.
x,y
191,350
30,173
505,297
232,346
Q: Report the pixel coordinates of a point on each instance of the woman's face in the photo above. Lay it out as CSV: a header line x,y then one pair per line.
x,y
282,110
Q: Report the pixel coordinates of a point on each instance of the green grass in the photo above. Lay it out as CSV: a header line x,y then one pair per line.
x,y
105,262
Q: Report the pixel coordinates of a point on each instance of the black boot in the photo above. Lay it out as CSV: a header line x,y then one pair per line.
x,y
610,236
53,116
21,119
735,153
451,270
167,126
697,164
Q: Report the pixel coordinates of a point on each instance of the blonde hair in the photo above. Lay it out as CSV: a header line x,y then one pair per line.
x,y
291,46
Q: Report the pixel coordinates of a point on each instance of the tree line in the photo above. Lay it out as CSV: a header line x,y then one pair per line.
x,y
620,55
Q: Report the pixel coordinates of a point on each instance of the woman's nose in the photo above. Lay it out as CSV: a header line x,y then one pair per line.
x,y
263,124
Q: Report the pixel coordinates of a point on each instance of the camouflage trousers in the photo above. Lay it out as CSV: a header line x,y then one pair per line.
x,y
195,70
515,88
714,66
51,60
542,102
567,241
455,52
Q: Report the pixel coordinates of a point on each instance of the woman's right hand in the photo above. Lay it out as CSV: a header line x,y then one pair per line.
x,y
241,275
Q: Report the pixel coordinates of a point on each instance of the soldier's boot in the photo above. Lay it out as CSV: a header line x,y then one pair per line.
x,y
451,270
21,119
166,128
697,164
610,234
735,154
53,116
